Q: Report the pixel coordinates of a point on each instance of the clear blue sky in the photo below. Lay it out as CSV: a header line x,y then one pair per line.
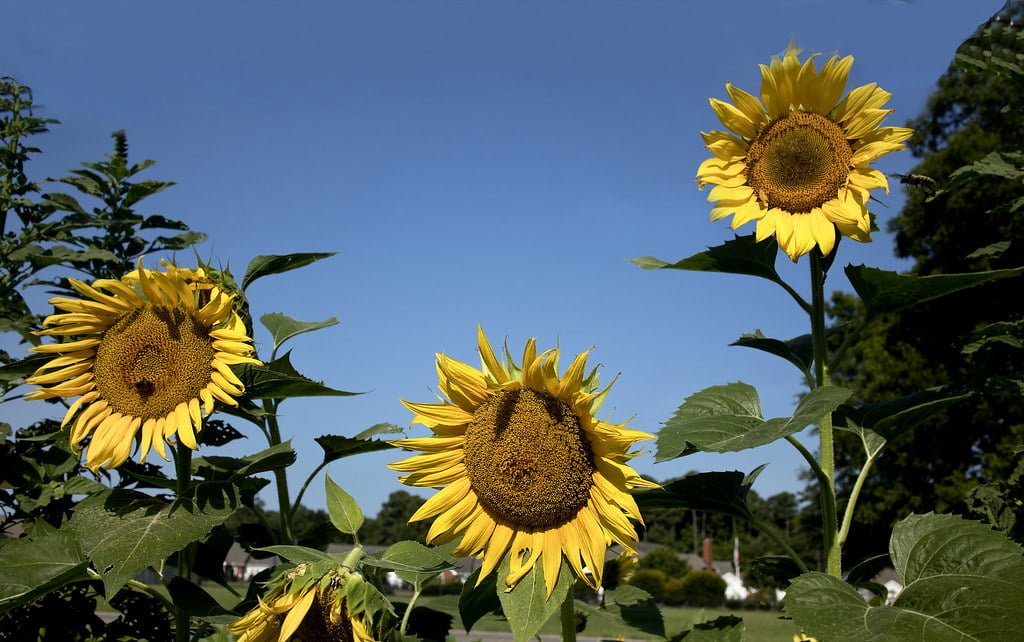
x,y
488,162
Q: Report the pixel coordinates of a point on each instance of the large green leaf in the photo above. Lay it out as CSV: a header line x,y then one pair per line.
x,y
716,492
892,418
282,327
883,291
527,607
30,568
626,610
267,264
413,562
345,513
218,467
279,380
962,581
728,419
742,255
123,531
477,601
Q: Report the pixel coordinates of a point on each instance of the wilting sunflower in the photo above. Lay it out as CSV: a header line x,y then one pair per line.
x,y
303,611
797,161
526,467
146,350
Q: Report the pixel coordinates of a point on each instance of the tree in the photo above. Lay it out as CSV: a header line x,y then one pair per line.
x,y
969,116
392,521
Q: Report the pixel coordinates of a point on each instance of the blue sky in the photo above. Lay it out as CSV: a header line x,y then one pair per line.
x,y
487,162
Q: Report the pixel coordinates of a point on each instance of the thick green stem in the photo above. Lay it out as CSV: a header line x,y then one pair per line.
x,y
827,455
284,505
568,616
183,469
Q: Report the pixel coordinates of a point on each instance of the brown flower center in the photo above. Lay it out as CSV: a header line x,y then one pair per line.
x,y
528,459
151,360
320,626
798,162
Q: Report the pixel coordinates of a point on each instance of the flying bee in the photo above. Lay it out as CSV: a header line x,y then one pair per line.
x,y
920,181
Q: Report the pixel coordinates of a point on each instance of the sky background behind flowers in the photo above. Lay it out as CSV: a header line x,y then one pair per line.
x,y
474,162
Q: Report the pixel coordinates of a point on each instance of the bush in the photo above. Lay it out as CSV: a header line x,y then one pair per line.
x,y
673,593
667,561
703,588
650,580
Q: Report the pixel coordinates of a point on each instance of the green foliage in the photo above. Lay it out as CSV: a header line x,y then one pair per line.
x,y
528,605
650,580
627,610
666,560
961,581
702,588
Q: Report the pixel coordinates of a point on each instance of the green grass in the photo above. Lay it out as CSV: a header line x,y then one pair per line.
x,y
761,626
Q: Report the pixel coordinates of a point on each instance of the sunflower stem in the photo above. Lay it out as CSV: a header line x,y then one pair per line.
x,y
851,504
408,610
305,485
183,470
568,617
827,456
284,505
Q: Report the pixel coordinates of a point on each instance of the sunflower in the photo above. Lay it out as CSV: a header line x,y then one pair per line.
x,y
147,349
797,161
307,611
526,467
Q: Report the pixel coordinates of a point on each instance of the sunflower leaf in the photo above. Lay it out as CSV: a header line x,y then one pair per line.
x,y
338,446
883,291
345,513
478,601
798,351
716,492
527,606
728,418
742,255
413,562
279,380
962,581
282,327
626,610
30,568
123,531
267,264
894,417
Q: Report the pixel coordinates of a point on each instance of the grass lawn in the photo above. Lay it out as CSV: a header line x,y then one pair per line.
x,y
761,626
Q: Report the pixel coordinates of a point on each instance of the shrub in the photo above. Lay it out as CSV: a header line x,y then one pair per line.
x,y
667,561
650,580
703,588
673,593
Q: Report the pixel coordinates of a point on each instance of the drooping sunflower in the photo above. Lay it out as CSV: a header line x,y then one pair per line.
x,y
303,609
146,350
797,161
525,466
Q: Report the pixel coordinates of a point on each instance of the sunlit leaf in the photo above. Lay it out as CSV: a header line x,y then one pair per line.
x,y
30,568
742,255
282,327
345,513
267,264
728,418
626,610
122,531
527,607
962,581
